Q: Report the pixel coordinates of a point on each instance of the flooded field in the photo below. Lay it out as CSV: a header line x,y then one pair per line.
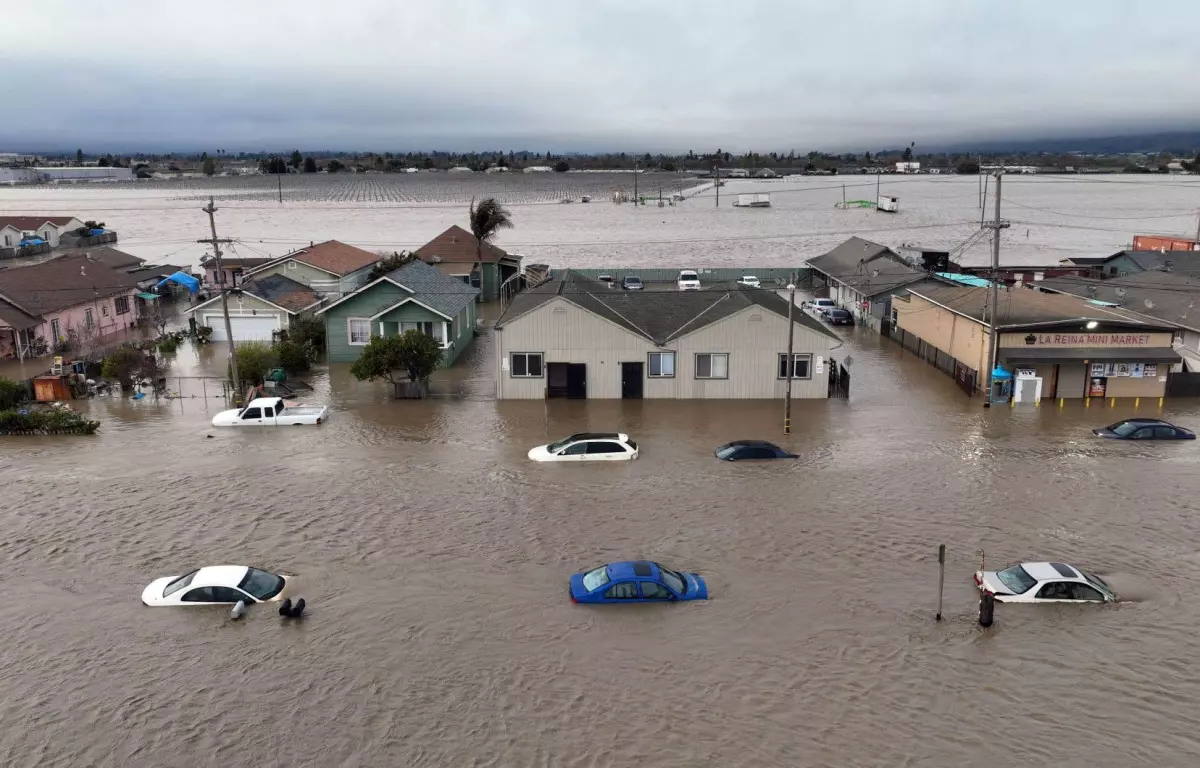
x,y
435,561
1053,217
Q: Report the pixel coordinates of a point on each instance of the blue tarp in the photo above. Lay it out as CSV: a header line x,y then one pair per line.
x,y
184,279
999,374
32,241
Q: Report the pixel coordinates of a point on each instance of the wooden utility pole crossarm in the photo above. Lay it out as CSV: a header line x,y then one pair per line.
x,y
211,210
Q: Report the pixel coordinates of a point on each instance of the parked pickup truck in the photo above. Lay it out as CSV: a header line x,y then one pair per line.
x,y
271,412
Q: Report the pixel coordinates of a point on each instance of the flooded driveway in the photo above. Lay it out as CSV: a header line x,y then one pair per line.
x,y
435,559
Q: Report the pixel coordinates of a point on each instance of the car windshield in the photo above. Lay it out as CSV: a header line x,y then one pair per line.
x,y
1124,428
725,451
688,276
749,279
673,580
260,584
556,447
179,583
634,280
1017,579
593,580
1100,584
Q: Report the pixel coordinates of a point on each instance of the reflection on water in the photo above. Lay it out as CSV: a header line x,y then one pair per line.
x,y
435,558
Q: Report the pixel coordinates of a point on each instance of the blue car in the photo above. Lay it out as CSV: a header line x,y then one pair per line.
x,y
636,581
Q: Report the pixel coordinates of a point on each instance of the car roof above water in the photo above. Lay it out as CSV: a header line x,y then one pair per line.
x,y
219,575
632,569
597,436
1044,571
750,444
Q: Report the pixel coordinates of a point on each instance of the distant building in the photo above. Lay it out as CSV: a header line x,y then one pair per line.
x,y
64,174
539,169
908,167
48,228
862,277
1164,242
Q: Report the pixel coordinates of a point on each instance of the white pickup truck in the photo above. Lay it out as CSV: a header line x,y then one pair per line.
x,y
271,412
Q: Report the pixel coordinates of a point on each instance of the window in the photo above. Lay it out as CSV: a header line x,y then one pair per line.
x,y
592,580
604,447
425,328
578,449
526,364
199,595
1016,579
622,590
88,319
1084,592
226,595
179,583
1124,428
711,365
800,366
1144,433
652,591
104,311
54,330
1056,590
251,413
662,365
261,584
1164,433
291,265
672,579
268,413
359,331
122,305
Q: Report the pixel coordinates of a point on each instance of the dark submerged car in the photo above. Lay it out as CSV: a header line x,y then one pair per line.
x,y
1144,429
838,316
741,450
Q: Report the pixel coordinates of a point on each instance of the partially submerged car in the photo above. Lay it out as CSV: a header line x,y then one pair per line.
x,y
838,316
216,585
636,581
741,450
588,446
688,280
819,306
1044,583
271,412
1144,429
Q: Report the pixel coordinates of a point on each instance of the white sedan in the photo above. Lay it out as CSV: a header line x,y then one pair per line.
x,y
1045,583
750,280
588,446
216,585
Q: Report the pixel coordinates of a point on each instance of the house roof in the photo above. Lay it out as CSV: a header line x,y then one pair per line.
x,y
155,271
33,222
110,257
1020,307
331,256
1185,261
1170,296
245,262
457,246
434,288
656,315
281,291
1084,261
13,317
62,283
869,268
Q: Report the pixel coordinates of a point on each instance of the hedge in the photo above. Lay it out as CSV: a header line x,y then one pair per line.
x,y
51,421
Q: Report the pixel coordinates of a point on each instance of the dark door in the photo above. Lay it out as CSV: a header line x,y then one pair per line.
x,y
577,381
566,380
631,381
556,379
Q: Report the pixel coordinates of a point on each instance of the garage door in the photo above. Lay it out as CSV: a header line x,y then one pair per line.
x,y
257,328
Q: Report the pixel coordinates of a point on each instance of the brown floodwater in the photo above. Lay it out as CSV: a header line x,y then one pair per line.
x,y
434,558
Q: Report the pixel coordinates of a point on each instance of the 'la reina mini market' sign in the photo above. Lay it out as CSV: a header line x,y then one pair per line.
x,y
1087,340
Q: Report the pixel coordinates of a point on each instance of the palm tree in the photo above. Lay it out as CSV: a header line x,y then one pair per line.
x,y
487,219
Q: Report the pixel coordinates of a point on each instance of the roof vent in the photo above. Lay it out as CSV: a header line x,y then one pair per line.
x,y
436,259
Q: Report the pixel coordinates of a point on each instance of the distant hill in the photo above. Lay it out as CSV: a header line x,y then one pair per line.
x,y
1184,143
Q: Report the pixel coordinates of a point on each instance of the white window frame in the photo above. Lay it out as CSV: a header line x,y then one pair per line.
x,y
291,265
512,367
350,331
796,356
117,303
55,330
710,356
664,355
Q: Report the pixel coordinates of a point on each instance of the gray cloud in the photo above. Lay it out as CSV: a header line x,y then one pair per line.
x,y
608,74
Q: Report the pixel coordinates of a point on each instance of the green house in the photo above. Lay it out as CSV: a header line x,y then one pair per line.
x,y
414,297
454,252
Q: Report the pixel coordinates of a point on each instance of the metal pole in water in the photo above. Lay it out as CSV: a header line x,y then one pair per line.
x,y
790,365
941,577
987,608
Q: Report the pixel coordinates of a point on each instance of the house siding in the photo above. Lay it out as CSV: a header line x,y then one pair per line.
x,y
753,338
104,316
374,301
963,339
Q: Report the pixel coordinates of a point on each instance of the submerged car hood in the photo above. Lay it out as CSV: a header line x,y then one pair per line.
x,y
152,594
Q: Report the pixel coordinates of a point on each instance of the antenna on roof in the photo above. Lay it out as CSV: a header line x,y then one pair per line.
x,y
1091,290
1149,304
1120,293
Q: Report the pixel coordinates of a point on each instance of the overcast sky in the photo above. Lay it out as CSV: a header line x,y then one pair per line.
x,y
585,75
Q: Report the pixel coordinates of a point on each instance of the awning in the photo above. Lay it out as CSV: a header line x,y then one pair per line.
x,y
1092,355
148,296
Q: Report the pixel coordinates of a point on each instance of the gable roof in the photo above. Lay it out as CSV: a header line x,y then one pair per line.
x,y
457,246
1020,307
1173,296
61,283
109,257
1161,260
426,285
659,316
869,268
244,262
331,256
33,222
277,290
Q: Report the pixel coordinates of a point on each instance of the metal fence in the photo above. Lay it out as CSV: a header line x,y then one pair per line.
x,y
966,377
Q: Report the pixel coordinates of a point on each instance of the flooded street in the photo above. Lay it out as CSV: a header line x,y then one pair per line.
x,y
435,558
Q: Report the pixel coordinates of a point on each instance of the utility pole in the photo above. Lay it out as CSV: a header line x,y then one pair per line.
x,y
1198,227
211,210
279,183
791,360
635,175
979,175
996,225
878,175
717,183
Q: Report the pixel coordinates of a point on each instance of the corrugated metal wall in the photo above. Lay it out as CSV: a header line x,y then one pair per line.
x,y
776,275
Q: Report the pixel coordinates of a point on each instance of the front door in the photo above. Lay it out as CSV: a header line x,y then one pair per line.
x,y
566,380
577,381
631,381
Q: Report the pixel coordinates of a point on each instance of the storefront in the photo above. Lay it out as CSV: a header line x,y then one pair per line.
x,y
1048,363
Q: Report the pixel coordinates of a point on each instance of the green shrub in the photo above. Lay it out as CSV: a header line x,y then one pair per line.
x,y
46,421
294,356
307,328
168,346
12,393
254,360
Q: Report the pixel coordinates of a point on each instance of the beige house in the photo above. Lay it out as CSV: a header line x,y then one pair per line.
x,y
1054,345
575,337
332,269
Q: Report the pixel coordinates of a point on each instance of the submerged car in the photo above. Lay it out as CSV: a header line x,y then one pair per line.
x,y
588,446
271,412
688,280
750,280
636,581
1044,583
819,306
1144,429
216,585
631,283
741,450
838,316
